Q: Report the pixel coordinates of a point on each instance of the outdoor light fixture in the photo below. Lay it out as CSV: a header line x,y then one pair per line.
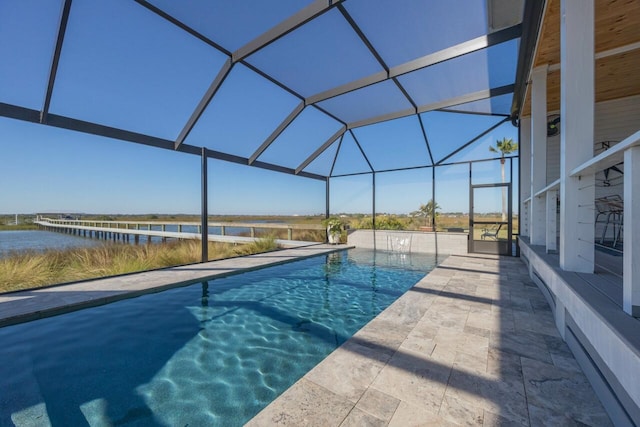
x,y
553,125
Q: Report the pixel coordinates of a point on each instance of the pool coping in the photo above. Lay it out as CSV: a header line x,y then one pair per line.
x,y
32,304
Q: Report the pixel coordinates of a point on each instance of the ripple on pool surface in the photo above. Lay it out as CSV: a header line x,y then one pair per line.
x,y
213,353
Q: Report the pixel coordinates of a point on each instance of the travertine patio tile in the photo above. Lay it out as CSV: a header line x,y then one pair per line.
x,y
378,404
481,332
504,366
359,418
409,308
480,319
523,343
521,304
492,321
420,341
542,417
426,328
435,282
443,317
408,415
415,379
535,323
495,420
563,392
482,390
304,404
383,335
461,413
502,320
451,300
462,287
558,348
349,370
472,362
461,341
445,355
566,363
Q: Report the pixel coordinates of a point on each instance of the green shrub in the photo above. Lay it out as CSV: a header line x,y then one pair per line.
x,y
383,222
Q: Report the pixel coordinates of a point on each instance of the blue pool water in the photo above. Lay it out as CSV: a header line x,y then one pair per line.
x,y
212,353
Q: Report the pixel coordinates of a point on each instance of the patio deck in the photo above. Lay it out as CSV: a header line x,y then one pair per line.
x,y
473,343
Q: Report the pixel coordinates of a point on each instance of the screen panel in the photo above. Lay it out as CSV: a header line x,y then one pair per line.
x,y
324,162
301,138
484,69
494,105
244,112
452,197
350,159
449,131
28,30
368,102
231,24
112,73
481,149
313,59
405,30
394,144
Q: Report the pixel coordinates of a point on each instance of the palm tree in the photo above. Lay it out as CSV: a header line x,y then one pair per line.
x,y
504,147
428,211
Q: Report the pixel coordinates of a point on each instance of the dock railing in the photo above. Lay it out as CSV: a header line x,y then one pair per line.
x,y
175,229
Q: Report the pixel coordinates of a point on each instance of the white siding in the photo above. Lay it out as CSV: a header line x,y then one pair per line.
x,y
614,121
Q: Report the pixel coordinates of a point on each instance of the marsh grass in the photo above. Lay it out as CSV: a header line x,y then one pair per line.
x,y
20,227
25,270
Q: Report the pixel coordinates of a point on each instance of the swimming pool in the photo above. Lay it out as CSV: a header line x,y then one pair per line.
x,y
212,353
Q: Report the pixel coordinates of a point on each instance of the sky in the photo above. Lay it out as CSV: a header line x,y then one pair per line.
x,y
121,66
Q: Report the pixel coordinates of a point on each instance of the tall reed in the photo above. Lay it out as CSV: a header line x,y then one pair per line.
x,y
32,269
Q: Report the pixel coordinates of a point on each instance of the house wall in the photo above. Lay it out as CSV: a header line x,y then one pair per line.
x,y
614,121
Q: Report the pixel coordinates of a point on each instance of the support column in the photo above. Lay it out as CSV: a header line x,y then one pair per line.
x,y
204,216
524,149
577,194
537,209
327,211
552,221
433,220
631,233
373,208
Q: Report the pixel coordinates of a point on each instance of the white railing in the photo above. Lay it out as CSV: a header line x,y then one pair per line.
x,y
627,152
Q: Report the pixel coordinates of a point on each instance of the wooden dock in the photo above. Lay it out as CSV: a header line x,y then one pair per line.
x,y
125,231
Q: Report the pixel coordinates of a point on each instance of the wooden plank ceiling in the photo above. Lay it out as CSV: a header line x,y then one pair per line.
x,y
617,26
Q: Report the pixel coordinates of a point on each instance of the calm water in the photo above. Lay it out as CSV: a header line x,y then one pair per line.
x,y
213,353
21,240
